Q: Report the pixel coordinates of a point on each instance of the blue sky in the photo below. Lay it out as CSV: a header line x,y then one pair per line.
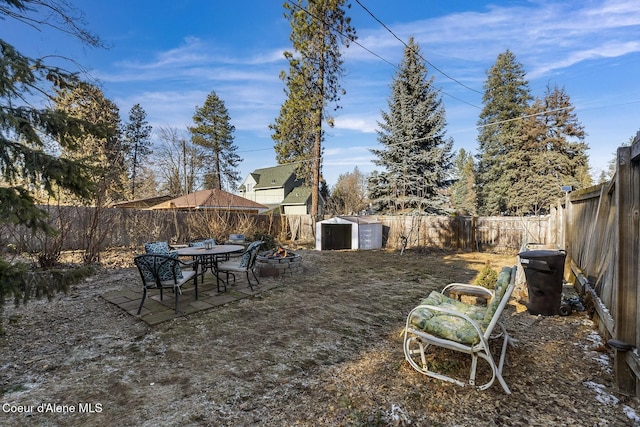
x,y
169,55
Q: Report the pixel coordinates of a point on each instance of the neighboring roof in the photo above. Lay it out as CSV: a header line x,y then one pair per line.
x,y
211,199
273,177
141,203
298,196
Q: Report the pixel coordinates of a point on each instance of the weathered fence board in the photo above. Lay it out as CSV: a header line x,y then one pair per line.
x,y
603,247
131,228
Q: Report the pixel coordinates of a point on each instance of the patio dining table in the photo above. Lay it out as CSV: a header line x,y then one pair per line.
x,y
208,257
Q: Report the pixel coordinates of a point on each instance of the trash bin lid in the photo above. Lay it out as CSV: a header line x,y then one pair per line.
x,y
541,253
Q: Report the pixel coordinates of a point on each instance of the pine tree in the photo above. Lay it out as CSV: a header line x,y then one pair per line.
x,y
106,152
138,139
214,133
25,133
294,140
31,137
417,155
550,154
464,199
317,31
506,100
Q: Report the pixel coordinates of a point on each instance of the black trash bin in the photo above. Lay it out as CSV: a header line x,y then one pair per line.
x,y
544,270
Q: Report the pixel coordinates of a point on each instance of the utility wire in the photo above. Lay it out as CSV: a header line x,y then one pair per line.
x,y
352,40
423,58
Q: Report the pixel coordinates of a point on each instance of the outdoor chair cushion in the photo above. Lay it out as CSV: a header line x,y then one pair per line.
x,y
450,327
165,271
156,248
453,327
246,256
498,292
202,243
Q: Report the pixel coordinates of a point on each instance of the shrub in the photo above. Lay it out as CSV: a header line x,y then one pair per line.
x,y
487,277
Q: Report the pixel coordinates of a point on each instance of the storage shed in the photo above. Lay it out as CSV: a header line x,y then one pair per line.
x,y
348,232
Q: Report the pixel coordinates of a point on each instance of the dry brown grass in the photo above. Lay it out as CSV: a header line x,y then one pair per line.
x,y
322,349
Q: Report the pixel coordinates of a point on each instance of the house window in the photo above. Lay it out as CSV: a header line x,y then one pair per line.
x,y
249,187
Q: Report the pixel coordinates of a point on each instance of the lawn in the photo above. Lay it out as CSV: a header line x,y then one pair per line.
x,y
322,348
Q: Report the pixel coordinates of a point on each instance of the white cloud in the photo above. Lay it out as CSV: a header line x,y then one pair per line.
x,y
364,124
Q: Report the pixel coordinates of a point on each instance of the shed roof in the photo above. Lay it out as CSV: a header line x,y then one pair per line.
x,y
342,219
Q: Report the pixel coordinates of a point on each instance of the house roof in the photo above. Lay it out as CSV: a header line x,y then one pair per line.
x,y
275,176
298,196
141,203
211,199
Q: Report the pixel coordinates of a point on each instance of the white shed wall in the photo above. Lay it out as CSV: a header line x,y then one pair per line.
x,y
363,235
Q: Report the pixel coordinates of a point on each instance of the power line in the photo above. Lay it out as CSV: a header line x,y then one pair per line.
x,y
423,58
352,40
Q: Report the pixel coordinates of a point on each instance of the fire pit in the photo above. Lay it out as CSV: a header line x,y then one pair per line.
x,y
278,262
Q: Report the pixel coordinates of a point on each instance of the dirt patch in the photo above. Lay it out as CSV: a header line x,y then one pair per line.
x,y
323,349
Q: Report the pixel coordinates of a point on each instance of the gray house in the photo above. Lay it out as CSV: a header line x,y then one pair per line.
x,y
278,188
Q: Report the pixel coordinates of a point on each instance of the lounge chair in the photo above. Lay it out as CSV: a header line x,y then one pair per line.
x,y
443,322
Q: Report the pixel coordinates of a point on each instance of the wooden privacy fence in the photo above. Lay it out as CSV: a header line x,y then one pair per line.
x,y
498,234
603,257
131,228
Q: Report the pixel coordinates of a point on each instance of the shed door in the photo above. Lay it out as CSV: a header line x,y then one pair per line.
x,y
336,236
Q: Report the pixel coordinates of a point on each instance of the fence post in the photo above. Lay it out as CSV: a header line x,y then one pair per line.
x,y
625,286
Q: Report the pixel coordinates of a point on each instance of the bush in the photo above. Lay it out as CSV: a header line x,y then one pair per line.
x,y
487,277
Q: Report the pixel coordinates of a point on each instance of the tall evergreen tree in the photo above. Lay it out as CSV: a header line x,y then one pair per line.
x,y
214,133
105,153
29,127
506,100
292,129
464,199
318,28
137,134
550,154
26,130
417,155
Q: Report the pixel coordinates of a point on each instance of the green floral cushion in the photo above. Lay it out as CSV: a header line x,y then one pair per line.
x,y
452,328
476,312
456,328
501,287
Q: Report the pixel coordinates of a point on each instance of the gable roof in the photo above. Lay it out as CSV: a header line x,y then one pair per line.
x,y
211,199
273,177
298,196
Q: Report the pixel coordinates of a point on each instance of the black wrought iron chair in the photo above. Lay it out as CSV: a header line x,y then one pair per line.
x,y
243,263
164,271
